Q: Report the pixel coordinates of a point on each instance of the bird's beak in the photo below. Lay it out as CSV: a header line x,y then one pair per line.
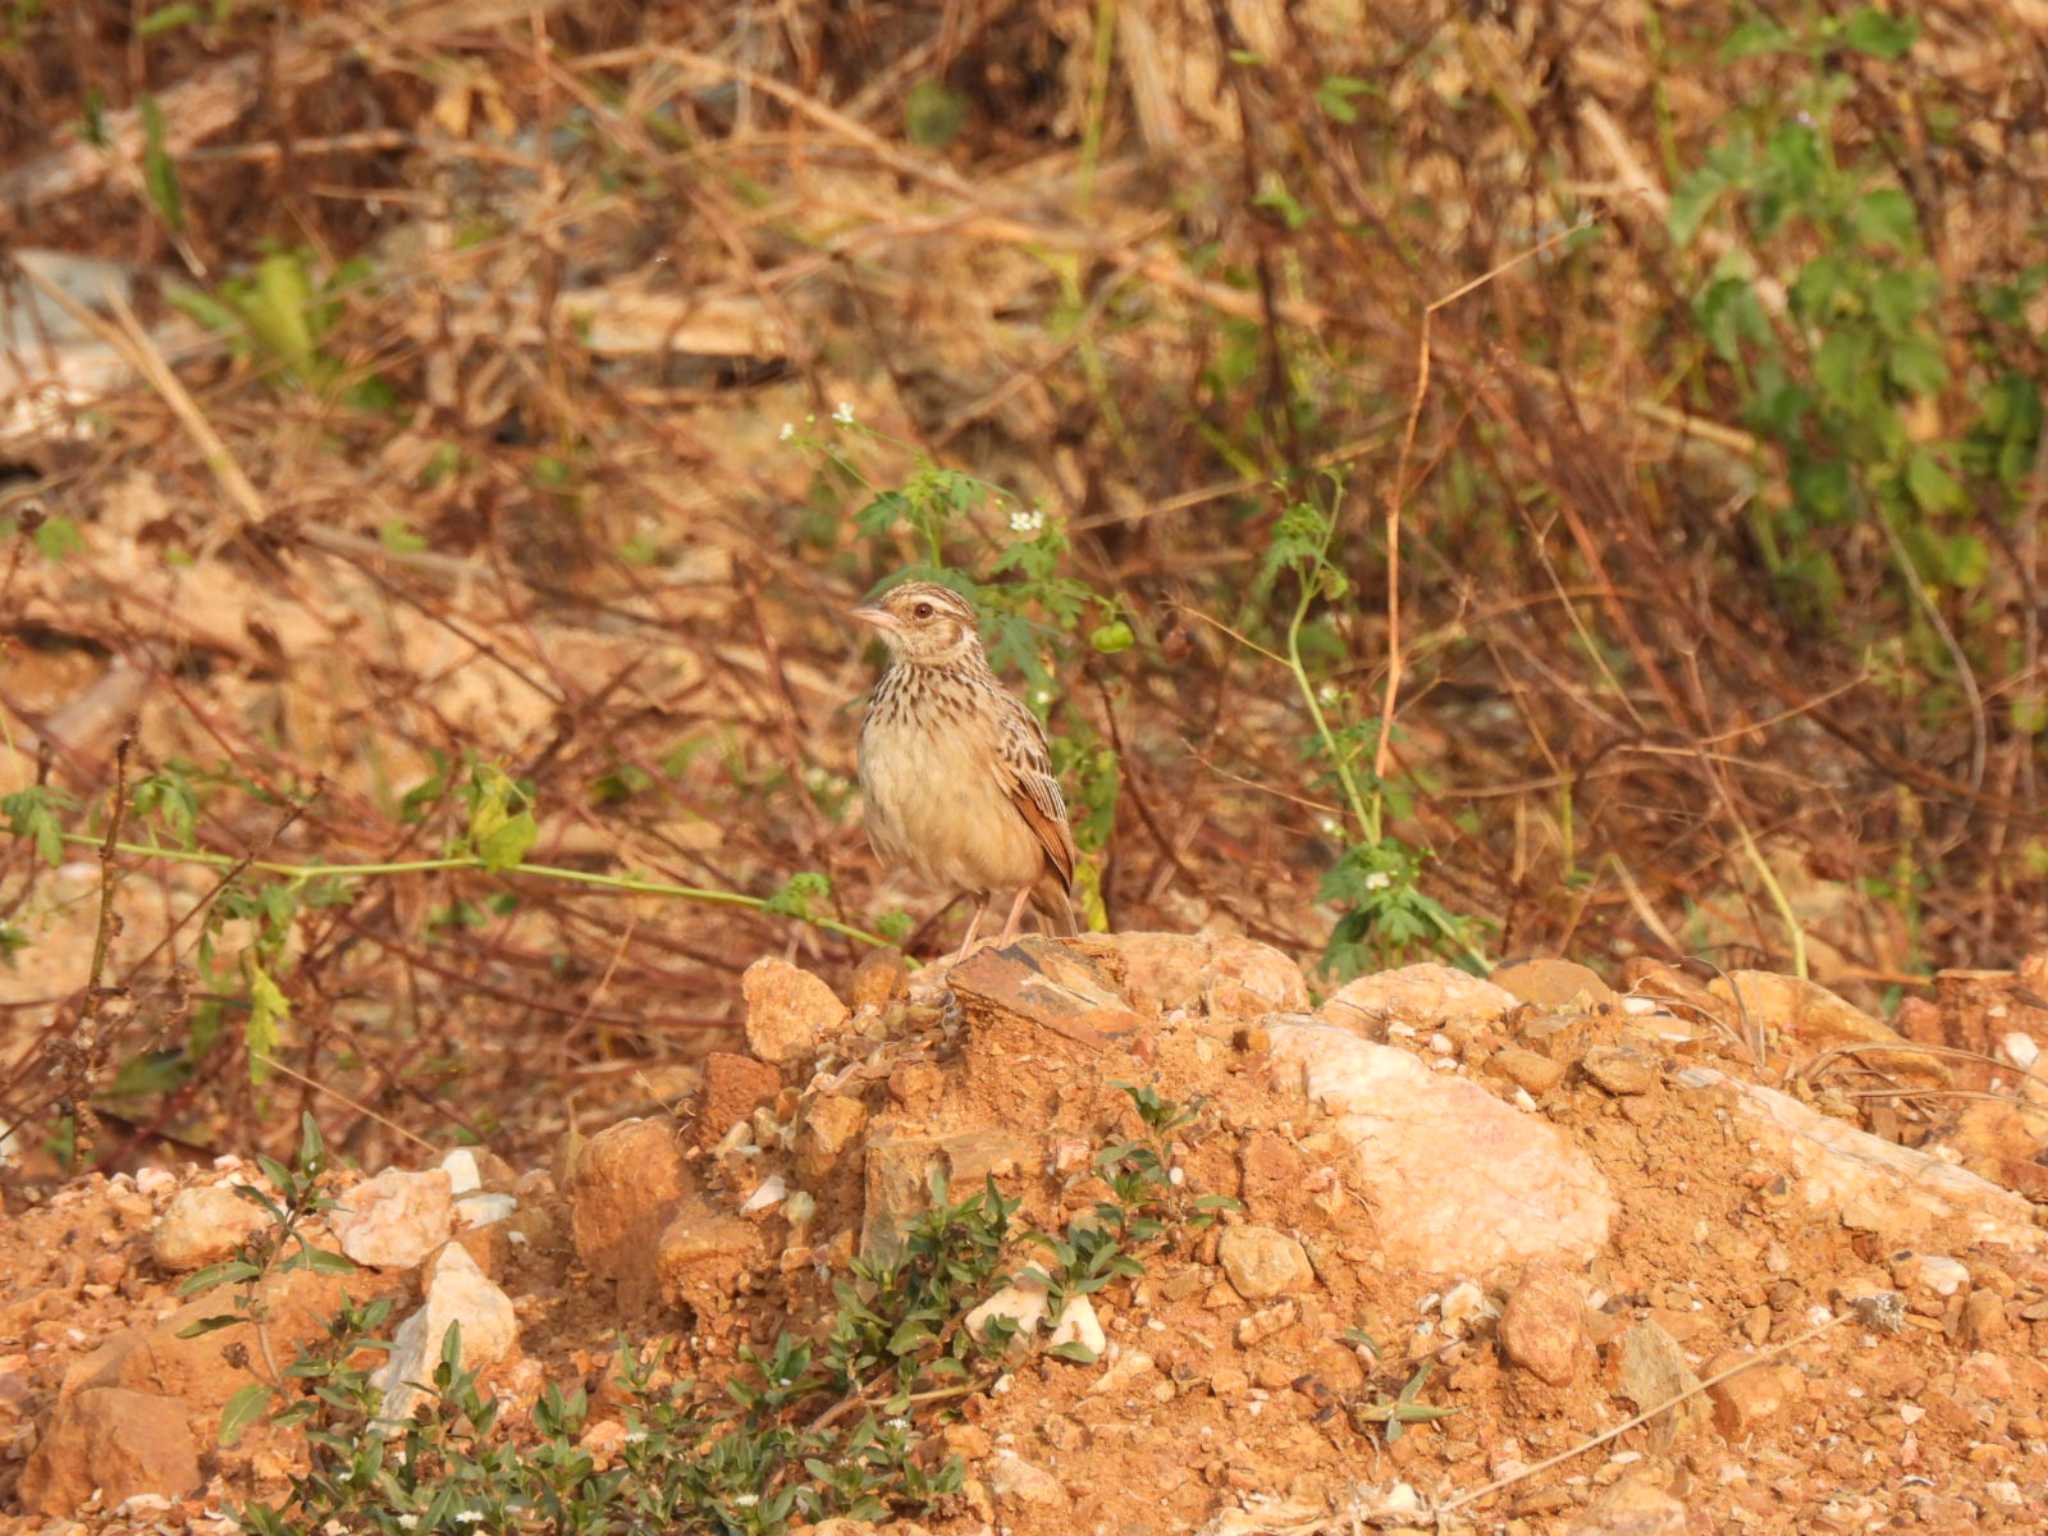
x,y
880,618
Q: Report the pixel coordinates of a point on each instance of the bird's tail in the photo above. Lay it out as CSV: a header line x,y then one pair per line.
x,y
1050,901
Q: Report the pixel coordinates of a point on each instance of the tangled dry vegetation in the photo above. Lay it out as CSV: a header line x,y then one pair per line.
x,y
501,399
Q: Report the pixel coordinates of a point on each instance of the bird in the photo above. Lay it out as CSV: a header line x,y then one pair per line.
x,y
956,782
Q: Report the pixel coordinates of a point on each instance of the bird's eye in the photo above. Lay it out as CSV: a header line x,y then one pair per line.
x,y
924,610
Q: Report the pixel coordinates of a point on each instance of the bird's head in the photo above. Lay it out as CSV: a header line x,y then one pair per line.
x,y
924,624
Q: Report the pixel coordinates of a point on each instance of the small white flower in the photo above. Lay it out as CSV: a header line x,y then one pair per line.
x,y
788,431
1327,694
1378,880
843,414
468,1516
746,1500
408,1522
1329,826
1027,522
1041,696
635,1436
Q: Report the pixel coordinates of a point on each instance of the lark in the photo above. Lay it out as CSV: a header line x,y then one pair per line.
x,y
954,772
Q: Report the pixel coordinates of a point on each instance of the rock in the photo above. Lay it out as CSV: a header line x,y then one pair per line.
x,y
1653,1373
1160,972
459,1295
1513,1191
1263,1263
1427,996
1620,1069
1935,1272
484,1210
1983,1321
880,979
1543,1326
1553,984
788,1010
1812,1016
463,1172
1464,1305
1986,1376
628,1181
1634,1506
1079,1324
1023,1302
829,1126
899,1170
1039,982
117,1441
1871,1185
1243,979
1526,1069
701,1255
1012,1477
202,1226
1750,1399
396,1219
1998,1139
734,1087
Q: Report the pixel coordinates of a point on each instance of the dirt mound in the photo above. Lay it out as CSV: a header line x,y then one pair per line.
x,y
1465,1234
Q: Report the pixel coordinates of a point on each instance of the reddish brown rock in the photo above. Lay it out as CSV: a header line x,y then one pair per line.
x,y
700,1256
1812,1019
1263,1263
1750,1399
1526,1069
1543,1327
880,979
734,1087
113,1440
1244,979
788,1010
1550,983
628,1183
1425,996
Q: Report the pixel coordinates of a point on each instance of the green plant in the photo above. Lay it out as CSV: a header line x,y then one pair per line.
x,y
1376,879
282,313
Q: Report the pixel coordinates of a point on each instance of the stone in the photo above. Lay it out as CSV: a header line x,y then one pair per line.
x,y
1040,983
1526,1069
1023,1303
702,1255
1243,979
898,1174
480,1209
1983,1320
1123,1373
1262,1262
1458,1182
1633,1506
1807,1014
1543,1326
627,1184
1749,1399
1903,1195
880,979
1079,1324
202,1226
119,1442
1427,996
1653,1373
396,1219
1012,1477
459,1296
734,1087
1553,984
464,1174
1620,1069
830,1124
788,1010
1935,1272
1159,972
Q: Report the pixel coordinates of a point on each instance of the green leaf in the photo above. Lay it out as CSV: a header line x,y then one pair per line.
x,y
1112,638
1881,35
159,173
166,18
269,1008
1916,366
1334,96
1931,486
227,1272
243,1409
1886,217
1075,1351
1692,202
1757,36
400,537
213,1324
932,115
502,828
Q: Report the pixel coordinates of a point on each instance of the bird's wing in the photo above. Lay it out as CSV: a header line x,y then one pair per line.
x,y
1026,770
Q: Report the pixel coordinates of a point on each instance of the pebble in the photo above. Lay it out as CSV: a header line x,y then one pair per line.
x,y
1620,1069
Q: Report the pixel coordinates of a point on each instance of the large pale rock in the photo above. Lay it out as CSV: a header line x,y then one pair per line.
x,y
1228,976
1262,1262
1543,1326
458,1295
396,1219
788,1010
1459,1182
1243,979
1426,996
628,1182
1634,1506
113,1440
1808,1015
202,1226
1868,1184
1553,984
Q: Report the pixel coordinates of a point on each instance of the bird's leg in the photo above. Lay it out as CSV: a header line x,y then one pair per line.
x,y
974,922
1016,916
